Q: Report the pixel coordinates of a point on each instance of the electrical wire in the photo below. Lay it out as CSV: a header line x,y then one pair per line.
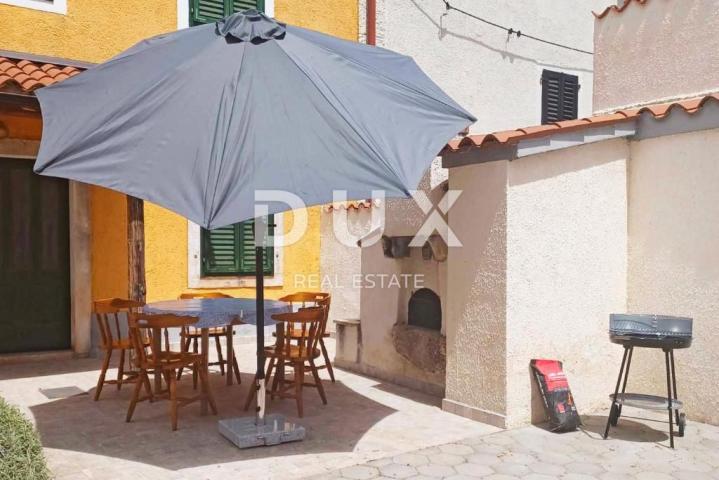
x,y
512,31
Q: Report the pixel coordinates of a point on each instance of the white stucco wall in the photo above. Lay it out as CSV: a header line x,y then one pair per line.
x,y
495,77
566,270
674,260
340,263
476,289
657,51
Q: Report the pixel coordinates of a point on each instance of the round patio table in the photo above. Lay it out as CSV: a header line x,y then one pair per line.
x,y
216,312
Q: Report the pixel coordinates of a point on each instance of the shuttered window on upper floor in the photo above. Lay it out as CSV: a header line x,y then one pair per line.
x,y
209,11
230,251
560,96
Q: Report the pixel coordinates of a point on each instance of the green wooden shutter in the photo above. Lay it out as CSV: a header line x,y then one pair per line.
x,y
230,250
209,11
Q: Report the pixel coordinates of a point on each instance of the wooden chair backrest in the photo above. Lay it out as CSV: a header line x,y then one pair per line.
x,y
108,312
145,335
310,299
191,295
307,322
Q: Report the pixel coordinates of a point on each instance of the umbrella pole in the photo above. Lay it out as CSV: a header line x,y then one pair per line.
x,y
260,306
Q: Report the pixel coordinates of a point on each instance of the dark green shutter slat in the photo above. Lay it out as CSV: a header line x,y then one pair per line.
x,y
560,96
242,5
209,11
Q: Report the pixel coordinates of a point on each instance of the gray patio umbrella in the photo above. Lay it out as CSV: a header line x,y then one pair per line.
x,y
200,119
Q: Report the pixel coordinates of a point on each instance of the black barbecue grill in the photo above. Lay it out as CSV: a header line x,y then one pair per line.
x,y
649,331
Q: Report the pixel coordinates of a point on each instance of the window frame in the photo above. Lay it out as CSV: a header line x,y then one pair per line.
x,y
227,5
50,6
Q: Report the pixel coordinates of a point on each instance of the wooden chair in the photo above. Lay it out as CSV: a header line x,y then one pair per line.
x,y
110,315
305,299
153,358
297,347
191,336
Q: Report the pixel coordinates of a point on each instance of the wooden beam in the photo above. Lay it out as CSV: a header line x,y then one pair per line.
x,y
136,248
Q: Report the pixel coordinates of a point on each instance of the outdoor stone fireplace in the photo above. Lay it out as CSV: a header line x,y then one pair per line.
x,y
420,340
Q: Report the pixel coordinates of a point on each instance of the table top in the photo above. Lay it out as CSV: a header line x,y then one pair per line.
x,y
217,312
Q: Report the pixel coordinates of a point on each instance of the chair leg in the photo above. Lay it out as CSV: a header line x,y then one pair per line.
x,y
121,369
172,386
141,379
299,378
318,382
236,367
145,380
206,387
195,349
220,360
185,348
101,380
268,373
327,360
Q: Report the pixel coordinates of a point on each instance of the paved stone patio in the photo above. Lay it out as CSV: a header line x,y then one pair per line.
x,y
364,420
637,450
369,430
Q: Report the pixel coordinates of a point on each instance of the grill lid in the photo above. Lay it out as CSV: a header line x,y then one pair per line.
x,y
650,325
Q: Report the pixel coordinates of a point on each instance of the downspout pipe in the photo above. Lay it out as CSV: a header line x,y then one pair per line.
x,y
371,22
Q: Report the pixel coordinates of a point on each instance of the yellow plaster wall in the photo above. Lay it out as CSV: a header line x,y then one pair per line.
x,y
338,17
166,255
92,30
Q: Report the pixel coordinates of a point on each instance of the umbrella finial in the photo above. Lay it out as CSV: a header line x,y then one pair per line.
x,y
251,25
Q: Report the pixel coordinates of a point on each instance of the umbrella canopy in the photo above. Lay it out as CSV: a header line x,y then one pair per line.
x,y
199,119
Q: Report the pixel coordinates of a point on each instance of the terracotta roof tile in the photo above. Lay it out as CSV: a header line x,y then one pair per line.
x,y
660,110
351,205
617,9
29,75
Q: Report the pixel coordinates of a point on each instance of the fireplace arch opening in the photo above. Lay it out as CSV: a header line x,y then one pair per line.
x,y
425,310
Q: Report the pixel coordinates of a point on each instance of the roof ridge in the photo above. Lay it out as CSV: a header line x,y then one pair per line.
x,y
617,9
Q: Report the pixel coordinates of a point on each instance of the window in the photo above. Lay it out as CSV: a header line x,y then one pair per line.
x,y
53,6
209,11
560,96
230,251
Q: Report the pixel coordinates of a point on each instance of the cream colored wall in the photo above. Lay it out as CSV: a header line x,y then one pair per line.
x,y
657,50
674,260
340,263
476,294
566,270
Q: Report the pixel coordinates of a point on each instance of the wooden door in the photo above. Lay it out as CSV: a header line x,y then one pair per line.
x,y
34,260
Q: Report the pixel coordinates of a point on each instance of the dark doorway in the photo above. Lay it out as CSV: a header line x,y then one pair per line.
x,y
425,310
34,260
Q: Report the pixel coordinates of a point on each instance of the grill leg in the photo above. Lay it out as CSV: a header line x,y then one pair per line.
x,y
616,390
626,377
669,400
674,385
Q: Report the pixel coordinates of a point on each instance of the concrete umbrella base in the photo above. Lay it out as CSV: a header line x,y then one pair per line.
x,y
244,432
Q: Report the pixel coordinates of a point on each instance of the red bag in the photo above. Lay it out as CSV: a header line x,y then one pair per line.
x,y
558,400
